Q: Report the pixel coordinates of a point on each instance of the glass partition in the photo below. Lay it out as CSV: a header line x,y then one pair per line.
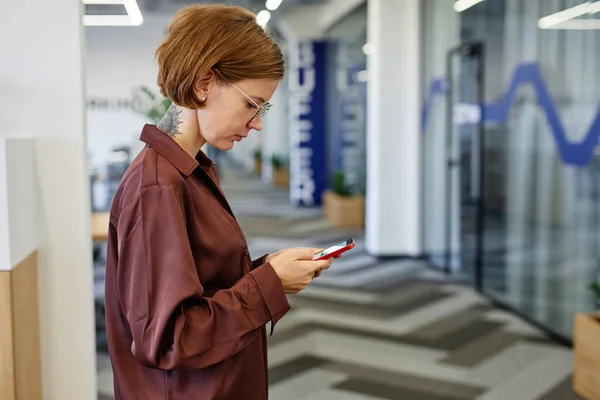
x,y
541,163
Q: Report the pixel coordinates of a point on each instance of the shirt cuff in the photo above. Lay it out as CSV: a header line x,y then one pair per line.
x,y
271,290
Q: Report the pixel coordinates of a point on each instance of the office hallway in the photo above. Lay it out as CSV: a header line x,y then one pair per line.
x,y
372,329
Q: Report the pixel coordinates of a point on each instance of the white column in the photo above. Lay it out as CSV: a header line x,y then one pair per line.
x,y
42,98
275,131
393,207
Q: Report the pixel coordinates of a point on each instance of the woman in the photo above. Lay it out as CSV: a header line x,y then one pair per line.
x,y
186,307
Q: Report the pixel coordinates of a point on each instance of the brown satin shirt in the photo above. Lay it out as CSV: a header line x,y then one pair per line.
x,y
186,307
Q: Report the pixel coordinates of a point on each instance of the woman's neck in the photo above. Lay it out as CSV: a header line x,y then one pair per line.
x,y
181,124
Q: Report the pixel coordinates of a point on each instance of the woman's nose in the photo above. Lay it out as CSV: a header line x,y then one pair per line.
x,y
256,124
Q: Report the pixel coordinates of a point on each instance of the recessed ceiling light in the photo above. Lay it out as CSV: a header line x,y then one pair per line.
x,y
462,5
272,5
368,48
263,17
566,19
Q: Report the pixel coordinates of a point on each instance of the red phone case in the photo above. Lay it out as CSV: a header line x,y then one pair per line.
x,y
335,253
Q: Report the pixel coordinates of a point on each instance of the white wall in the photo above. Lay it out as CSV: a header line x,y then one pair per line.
x,y
19,197
119,59
22,196
41,97
5,263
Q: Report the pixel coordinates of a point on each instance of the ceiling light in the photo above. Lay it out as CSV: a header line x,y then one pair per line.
x,y
133,10
102,2
362,76
106,20
578,25
133,18
565,15
273,4
263,17
368,48
462,5
562,19
594,7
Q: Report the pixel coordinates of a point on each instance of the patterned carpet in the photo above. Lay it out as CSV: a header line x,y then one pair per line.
x,y
424,339
372,329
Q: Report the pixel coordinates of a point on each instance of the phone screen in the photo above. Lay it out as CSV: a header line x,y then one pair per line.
x,y
333,248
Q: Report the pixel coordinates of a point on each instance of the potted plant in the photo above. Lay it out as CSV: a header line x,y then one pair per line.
x,y
341,207
586,350
281,176
257,161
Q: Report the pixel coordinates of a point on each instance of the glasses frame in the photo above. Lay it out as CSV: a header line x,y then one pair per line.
x,y
262,110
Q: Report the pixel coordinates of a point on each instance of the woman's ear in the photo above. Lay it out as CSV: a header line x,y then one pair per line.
x,y
204,84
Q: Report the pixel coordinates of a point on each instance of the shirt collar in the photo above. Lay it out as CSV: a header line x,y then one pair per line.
x,y
164,145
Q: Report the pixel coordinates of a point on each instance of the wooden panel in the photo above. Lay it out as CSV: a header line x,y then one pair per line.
x,y
586,346
99,225
7,365
20,364
27,329
344,211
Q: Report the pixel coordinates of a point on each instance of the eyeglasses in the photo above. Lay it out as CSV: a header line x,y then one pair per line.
x,y
262,110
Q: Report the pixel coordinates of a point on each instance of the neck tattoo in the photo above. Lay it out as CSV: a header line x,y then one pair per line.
x,y
169,124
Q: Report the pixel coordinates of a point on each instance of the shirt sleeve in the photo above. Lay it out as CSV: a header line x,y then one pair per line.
x,y
173,325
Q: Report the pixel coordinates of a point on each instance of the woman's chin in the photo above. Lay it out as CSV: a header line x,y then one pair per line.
x,y
223,145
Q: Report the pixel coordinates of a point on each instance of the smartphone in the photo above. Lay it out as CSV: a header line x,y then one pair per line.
x,y
334,250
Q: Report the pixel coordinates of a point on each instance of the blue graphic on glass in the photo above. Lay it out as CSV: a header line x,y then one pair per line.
x,y
578,154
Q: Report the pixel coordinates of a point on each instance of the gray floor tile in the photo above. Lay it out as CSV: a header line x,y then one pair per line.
x,y
458,338
448,325
381,310
562,391
479,350
292,368
413,383
391,392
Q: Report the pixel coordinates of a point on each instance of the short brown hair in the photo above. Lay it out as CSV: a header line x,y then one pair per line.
x,y
226,39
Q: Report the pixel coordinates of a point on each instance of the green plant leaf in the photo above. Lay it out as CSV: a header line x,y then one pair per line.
x,y
166,103
595,288
276,161
157,105
338,184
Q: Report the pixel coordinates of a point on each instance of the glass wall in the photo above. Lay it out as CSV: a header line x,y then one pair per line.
x,y
541,164
346,99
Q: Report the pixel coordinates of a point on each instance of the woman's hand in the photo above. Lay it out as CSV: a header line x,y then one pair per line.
x,y
296,269
270,256
316,274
